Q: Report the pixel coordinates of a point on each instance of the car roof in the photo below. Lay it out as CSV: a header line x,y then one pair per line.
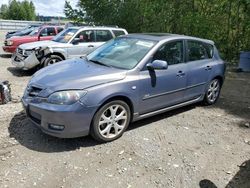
x,y
42,26
163,36
96,27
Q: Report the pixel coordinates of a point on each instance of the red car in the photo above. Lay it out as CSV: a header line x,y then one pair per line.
x,y
41,33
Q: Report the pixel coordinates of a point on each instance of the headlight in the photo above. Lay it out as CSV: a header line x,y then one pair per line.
x,y
27,52
66,97
9,42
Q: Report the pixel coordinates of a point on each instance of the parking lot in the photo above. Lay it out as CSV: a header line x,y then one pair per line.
x,y
181,148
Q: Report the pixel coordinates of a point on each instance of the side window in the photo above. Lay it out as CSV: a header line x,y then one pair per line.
x,y
59,29
197,51
49,31
171,52
44,32
86,36
118,32
103,35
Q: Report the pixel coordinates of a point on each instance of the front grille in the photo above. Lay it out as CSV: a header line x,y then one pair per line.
x,y
33,91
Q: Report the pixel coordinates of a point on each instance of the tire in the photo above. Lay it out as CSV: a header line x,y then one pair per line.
x,y
52,59
106,125
212,92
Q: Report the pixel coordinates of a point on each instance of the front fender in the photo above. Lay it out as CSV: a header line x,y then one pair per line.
x,y
98,95
60,51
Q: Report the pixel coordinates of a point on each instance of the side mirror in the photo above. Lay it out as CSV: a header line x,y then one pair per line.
x,y
157,65
75,41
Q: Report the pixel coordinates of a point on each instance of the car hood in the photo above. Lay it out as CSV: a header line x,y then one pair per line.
x,y
74,74
22,38
32,45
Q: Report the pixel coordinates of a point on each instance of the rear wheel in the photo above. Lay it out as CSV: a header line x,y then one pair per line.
x,y
110,121
52,59
213,92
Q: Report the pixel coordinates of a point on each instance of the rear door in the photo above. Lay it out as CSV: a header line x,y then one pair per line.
x,y
163,88
199,67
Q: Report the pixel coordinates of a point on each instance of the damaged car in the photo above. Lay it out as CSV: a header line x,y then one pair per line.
x,y
70,43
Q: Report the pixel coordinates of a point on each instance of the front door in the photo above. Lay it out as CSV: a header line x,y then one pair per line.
x,y
89,40
47,33
85,44
163,88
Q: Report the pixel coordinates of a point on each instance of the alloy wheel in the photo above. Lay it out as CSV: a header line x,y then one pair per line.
x,y
113,121
213,91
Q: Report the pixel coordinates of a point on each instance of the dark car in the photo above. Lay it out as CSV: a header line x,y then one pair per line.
x,y
127,79
27,30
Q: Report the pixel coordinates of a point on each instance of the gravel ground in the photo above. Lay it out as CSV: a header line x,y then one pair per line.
x,y
195,146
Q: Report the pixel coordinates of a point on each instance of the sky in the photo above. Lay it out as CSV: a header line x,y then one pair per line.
x,y
48,7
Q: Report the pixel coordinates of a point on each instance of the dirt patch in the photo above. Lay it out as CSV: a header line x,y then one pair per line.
x,y
195,146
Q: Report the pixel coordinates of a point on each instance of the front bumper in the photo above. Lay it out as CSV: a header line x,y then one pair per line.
x,y
76,119
9,49
25,63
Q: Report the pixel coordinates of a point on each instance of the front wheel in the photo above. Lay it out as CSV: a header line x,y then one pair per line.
x,y
52,59
213,92
110,121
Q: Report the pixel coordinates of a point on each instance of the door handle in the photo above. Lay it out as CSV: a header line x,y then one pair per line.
x,y
180,74
91,46
208,68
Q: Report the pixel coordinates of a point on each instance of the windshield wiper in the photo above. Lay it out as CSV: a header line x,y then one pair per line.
x,y
99,63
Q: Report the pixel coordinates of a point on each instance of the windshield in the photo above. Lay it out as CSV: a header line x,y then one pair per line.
x,y
35,31
65,35
123,52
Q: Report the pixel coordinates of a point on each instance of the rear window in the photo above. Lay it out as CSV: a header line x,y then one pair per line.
x,y
118,32
199,51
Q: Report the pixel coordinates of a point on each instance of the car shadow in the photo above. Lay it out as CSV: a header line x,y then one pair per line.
x,y
21,73
5,55
232,107
234,97
241,110
28,135
240,180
